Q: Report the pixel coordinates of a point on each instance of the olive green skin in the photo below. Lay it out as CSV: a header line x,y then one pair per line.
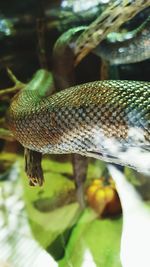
x,y
84,119
129,50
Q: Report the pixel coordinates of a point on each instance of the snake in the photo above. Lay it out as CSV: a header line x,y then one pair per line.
x,y
108,120
131,47
31,150
108,21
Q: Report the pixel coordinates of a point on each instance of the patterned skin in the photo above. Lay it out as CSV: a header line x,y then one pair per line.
x,y
129,50
110,20
103,119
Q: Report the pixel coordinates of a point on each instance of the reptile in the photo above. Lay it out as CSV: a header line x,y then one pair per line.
x,y
126,48
108,21
108,120
30,156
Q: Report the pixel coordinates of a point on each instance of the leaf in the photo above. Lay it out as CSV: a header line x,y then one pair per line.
x,y
57,228
96,240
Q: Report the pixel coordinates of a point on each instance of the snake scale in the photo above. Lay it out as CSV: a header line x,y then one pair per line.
x,y
109,120
133,46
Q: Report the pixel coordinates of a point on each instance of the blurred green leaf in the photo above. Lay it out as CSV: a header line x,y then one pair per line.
x,y
66,231
96,240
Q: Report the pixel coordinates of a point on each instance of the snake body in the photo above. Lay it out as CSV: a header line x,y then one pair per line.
x,y
134,47
103,119
109,21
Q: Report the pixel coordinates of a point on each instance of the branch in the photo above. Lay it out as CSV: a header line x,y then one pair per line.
x,y
13,77
4,93
41,30
110,20
6,135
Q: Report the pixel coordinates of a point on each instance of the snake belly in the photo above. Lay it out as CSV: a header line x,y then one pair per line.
x,y
109,120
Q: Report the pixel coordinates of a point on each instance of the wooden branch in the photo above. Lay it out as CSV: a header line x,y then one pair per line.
x,y
41,29
4,93
13,77
6,135
110,20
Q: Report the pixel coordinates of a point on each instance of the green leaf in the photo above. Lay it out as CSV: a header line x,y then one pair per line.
x,y
61,227
94,239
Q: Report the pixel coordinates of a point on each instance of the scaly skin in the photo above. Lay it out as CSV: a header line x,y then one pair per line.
x,y
109,21
127,51
103,119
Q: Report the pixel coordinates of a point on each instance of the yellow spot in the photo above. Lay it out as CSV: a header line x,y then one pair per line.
x,y
99,195
110,194
91,191
98,182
